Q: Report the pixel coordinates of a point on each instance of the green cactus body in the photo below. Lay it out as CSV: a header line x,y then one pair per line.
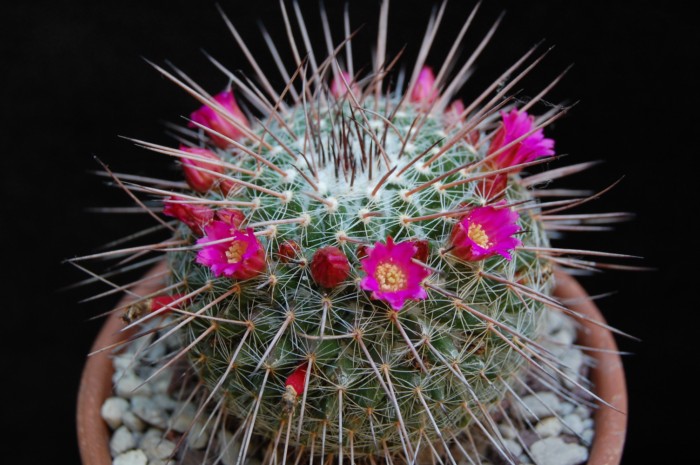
x,y
379,379
361,268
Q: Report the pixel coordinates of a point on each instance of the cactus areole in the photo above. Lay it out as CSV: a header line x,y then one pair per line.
x,y
360,264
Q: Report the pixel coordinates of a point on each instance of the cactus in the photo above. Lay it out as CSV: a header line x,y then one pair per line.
x,y
360,269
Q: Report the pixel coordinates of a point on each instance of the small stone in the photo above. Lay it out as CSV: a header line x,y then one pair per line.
x,y
161,450
151,439
132,457
554,451
113,410
147,410
161,462
229,448
572,423
566,408
508,431
131,385
588,423
541,405
198,437
549,427
123,362
160,385
587,436
582,411
134,423
122,441
572,361
513,447
165,402
183,417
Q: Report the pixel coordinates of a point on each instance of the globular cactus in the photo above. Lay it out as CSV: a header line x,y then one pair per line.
x,y
360,269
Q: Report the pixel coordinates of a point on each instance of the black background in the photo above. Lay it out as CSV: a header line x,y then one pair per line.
x,y
73,79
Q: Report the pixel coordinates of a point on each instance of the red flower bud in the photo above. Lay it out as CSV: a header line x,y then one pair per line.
x,y
231,216
164,301
198,180
196,217
339,87
288,250
211,118
297,380
424,92
362,251
422,250
329,266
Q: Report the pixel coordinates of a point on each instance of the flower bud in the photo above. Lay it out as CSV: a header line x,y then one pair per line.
x,y
329,267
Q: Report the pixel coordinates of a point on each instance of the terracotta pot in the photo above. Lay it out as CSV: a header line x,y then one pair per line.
x,y
608,378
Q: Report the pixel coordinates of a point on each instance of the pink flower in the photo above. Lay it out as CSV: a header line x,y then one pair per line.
x,y
241,256
194,216
210,118
200,181
484,232
392,276
231,216
516,124
424,91
339,88
329,266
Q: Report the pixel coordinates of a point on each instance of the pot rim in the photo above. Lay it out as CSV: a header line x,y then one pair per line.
x,y
607,376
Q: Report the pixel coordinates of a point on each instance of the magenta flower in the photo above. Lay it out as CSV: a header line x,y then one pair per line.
x,y
198,180
241,256
392,275
484,232
210,118
424,91
194,216
516,124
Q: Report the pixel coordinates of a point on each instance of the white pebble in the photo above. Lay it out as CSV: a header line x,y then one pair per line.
x,y
131,385
582,411
134,423
554,451
165,402
566,408
160,450
122,441
587,435
507,431
230,448
161,384
513,447
152,437
113,410
123,362
588,423
572,360
132,457
548,427
198,437
183,417
572,423
147,410
541,405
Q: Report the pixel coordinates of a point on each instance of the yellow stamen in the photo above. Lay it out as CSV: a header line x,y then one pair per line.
x,y
478,235
390,277
236,251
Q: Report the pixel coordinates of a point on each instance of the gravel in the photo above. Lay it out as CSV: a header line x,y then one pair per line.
x,y
147,420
